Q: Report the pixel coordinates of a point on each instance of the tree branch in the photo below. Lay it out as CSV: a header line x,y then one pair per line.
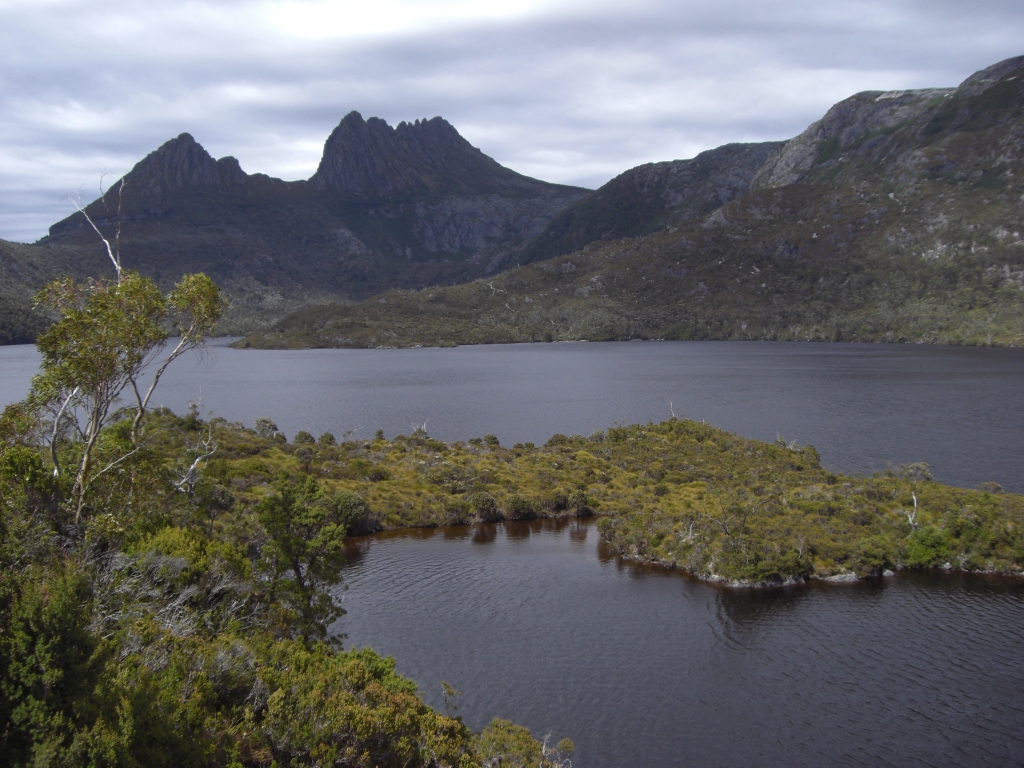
x,y
115,260
53,435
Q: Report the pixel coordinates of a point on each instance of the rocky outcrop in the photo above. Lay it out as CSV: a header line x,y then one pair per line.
x,y
181,163
849,124
986,78
865,125
417,205
387,208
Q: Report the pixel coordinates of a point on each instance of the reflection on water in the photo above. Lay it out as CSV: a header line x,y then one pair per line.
x,y
643,666
485,534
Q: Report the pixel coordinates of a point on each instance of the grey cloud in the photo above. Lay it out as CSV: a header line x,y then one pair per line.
x,y
568,96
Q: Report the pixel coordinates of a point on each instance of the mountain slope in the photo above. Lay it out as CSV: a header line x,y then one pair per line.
x,y
409,206
651,197
897,217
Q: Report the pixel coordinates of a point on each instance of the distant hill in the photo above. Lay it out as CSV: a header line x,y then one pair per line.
x,y
896,217
388,207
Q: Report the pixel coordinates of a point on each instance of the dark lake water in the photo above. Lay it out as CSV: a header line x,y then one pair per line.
x,y
960,409
639,666
643,667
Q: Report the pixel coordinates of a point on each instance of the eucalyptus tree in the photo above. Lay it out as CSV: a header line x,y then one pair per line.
x,y
110,335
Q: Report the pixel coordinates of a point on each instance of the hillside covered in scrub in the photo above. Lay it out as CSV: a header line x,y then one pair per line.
x,y
183,620
140,622
896,217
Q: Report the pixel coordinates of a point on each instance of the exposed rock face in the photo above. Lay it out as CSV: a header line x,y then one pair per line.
x,y
370,160
930,174
896,217
182,162
862,124
872,129
986,78
851,123
653,196
388,207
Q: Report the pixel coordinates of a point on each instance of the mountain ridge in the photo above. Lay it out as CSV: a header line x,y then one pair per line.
x,y
897,217
406,208
438,210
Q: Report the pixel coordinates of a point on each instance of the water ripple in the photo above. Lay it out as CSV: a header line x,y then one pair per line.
x,y
643,667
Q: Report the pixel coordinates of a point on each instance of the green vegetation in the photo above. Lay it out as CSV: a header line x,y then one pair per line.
x,y
152,611
680,493
173,607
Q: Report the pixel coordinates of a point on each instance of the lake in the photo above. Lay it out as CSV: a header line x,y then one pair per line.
x,y
535,623
864,406
643,667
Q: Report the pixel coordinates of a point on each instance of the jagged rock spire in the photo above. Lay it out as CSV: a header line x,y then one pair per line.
x,y
368,159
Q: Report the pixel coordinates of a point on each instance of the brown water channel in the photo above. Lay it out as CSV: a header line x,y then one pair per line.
x,y
645,667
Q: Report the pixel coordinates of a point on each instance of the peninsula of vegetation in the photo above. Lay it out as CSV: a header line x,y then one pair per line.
x,y
149,613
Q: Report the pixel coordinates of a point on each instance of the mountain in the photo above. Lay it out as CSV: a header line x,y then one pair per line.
x,y
651,197
896,217
409,206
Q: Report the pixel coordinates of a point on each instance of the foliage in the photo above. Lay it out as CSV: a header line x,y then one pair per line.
x,y
153,637
136,628
108,335
503,744
681,493
162,636
306,533
926,547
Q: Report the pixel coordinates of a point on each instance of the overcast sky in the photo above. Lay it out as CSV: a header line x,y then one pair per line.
x,y
573,92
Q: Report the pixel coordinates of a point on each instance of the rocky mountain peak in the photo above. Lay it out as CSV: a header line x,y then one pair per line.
x,y
846,124
370,160
858,123
986,78
182,162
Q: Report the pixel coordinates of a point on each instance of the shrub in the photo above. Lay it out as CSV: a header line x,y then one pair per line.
x,y
302,437
579,503
555,502
618,434
457,512
486,507
503,742
353,512
327,439
520,508
874,554
264,427
927,546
